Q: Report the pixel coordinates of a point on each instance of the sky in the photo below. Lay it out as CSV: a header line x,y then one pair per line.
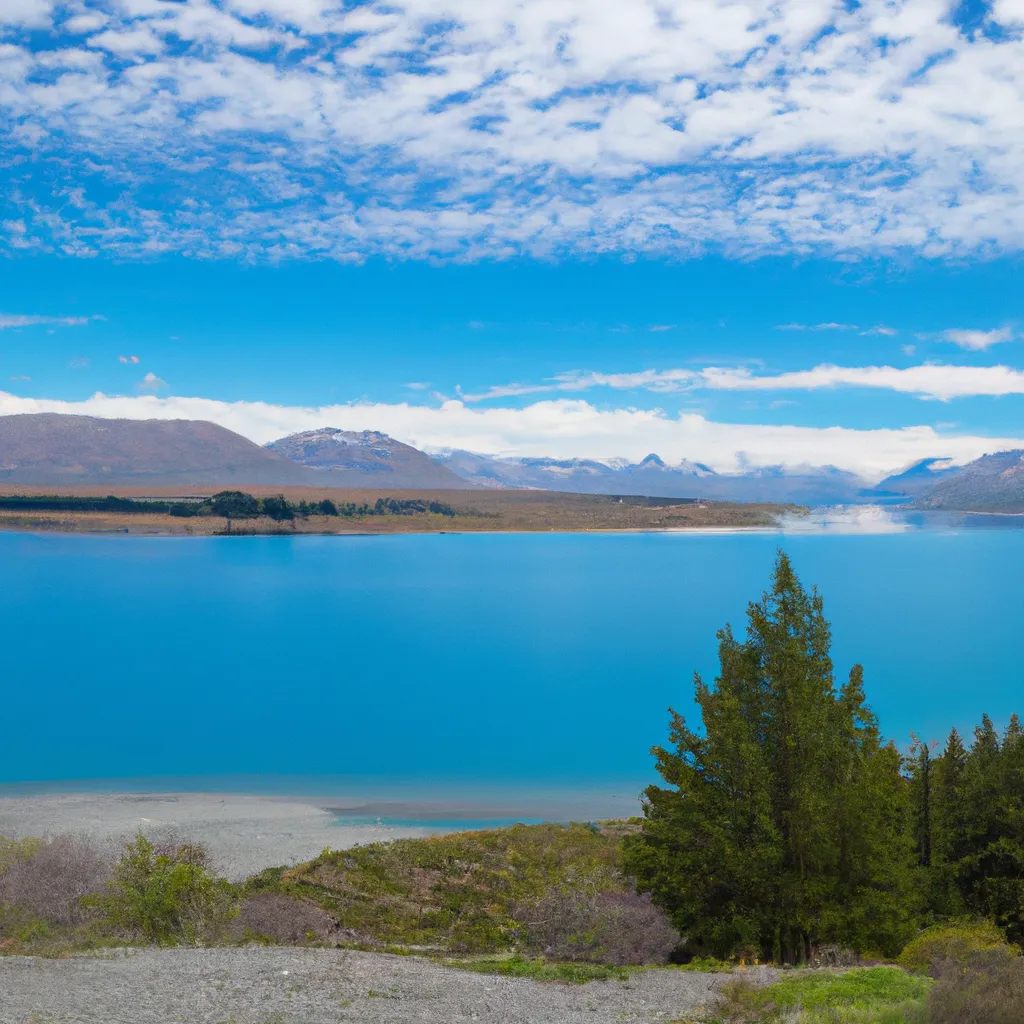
x,y
744,234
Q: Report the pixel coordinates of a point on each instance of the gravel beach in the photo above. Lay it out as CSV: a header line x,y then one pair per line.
x,y
283,985
314,986
243,834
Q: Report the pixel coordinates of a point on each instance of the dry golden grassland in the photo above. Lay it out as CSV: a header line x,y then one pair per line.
x,y
477,511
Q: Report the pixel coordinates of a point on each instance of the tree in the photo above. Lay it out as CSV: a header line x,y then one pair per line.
x,y
760,843
278,507
234,505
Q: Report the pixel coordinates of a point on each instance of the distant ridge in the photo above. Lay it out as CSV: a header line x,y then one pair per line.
x,y
919,477
824,485
993,483
366,458
44,449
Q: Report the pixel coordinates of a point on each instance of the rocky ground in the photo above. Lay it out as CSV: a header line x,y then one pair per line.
x,y
318,986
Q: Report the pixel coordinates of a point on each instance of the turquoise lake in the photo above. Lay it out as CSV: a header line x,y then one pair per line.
x,y
496,660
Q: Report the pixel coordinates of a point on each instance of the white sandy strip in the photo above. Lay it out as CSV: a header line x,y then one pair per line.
x,y
242,833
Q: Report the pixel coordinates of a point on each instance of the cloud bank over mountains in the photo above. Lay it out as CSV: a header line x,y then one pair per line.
x,y
461,129
928,381
563,428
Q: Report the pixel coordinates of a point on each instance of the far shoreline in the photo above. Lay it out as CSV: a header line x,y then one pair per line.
x,y
446,512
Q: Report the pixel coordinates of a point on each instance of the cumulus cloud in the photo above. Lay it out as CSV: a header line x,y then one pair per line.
x,y
978,341
461,129
151,382
563,428
929,380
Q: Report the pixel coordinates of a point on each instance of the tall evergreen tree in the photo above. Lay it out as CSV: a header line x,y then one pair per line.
x,y
786,820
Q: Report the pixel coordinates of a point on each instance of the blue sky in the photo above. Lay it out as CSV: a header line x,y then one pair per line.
x,y
738,233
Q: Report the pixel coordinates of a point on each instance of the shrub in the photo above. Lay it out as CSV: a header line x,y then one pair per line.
x,y
616,928
167,894
14,850
951,941
874,995
51,880
986,988
279,918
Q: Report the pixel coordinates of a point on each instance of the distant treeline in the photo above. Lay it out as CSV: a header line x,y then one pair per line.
x,y
229,504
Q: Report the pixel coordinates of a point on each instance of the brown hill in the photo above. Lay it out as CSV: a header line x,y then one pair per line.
x,y
366,458
53,449
993,483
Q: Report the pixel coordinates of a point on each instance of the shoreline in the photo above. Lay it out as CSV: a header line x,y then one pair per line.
x,y
245,832
490,511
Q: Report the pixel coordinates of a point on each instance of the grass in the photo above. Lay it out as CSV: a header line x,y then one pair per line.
x,y
449,893
870,995
539,969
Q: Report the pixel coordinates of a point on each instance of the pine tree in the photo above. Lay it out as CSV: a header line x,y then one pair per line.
x,y
761,845
919,769
950,828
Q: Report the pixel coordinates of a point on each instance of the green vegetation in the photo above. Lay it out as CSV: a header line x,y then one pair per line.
x,y
539,969
785,826
953,941
458,893
166,895
875,995
226,504
787,822
968,826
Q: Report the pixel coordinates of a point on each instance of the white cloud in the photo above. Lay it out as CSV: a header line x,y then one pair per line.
x,y
151,382
830,326
978,341
1008,12
562,428
929,380
26,13
455,128
8,320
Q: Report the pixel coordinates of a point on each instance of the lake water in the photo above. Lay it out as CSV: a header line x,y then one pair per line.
x,y
507,663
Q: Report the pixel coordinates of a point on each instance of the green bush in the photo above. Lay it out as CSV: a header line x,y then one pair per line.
x,y
872,995
951,940
168,894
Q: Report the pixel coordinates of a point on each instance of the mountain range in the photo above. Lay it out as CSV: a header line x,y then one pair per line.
x,y
48,449
993,483
653,476
366,458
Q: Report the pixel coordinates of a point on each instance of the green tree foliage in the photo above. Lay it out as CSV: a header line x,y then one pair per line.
x,y
785,819
278,507
166,895
234,505
977,814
